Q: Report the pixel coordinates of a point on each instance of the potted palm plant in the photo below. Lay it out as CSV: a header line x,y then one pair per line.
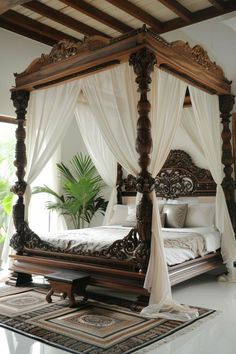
x,y
81,197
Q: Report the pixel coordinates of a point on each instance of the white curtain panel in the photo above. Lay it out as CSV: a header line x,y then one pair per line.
x,y
49,114
188,128
167,99
99,152
112,97
207,118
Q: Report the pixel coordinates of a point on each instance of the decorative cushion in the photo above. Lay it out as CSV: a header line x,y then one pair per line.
x,y
199,215
175,214
161,203
163,219
119,215
131,220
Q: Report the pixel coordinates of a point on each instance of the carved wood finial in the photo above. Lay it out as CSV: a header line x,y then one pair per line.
x,y
20,101
226,106
143,63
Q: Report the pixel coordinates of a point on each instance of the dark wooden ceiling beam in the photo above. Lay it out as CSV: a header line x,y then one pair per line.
x,y
57,16
199,16
218,4
6,5
27,25
98,15
178,9
138,13
26,33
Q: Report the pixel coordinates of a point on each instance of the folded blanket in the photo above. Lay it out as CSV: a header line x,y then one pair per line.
x,y
194,242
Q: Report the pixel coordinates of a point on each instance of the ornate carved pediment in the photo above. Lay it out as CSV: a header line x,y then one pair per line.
x,y
65,49
199,55
178,177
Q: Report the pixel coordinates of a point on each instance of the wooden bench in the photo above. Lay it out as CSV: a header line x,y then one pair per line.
x,y
68,283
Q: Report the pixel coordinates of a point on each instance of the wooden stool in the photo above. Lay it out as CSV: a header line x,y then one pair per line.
x,y
68,283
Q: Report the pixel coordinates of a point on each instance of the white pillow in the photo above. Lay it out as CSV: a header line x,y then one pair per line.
x,y
161,203
199,215
120,213
131,220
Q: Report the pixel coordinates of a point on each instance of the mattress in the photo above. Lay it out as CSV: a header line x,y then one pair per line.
x,y
178,255
90,240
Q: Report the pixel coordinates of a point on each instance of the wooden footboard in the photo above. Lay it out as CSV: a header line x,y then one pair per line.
x,y
106,275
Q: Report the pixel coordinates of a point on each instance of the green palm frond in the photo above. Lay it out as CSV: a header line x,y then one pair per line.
x,y
82,186
46,189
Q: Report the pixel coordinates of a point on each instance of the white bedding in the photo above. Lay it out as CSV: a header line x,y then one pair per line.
x,y
178,255
86,240
99,238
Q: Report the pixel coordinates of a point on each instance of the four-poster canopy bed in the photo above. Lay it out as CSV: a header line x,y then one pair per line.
x,y
119,266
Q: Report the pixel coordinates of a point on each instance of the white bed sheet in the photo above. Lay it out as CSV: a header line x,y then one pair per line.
x,y
178,255
86,240
103,236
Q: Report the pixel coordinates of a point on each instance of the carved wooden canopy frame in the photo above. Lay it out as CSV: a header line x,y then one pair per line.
x,y
143,49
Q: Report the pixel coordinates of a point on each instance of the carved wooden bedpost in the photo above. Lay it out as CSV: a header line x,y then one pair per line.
x,y
119,182
20,100
226,106
143,63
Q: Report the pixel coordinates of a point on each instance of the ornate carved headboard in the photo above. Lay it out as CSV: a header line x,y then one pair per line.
x,y
179,177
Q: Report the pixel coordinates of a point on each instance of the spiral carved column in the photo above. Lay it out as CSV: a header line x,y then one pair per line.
x,y
143,63
226,106
20,101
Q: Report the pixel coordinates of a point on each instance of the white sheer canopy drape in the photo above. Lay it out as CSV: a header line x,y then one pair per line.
x,y
101,156
49,115
50,112
167,98
112,97
207,118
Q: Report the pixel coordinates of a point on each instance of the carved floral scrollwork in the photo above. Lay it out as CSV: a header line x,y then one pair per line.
x,y
142,254
67,48
124,249
25,240
143,62
20,100
130,183
145,184
199,55
172,184
19,188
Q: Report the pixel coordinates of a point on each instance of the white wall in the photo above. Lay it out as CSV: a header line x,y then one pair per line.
x,y
17,52
217,38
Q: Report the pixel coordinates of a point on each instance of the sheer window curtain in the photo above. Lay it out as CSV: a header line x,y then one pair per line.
x,y
112,97
207,118
101,156
50,112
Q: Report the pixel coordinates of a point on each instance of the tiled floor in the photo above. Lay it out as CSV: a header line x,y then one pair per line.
x,y
214,336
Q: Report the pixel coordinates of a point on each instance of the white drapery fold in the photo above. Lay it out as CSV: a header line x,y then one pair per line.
x,y
189,129
49,114
207,118
99,152
167,99
112,97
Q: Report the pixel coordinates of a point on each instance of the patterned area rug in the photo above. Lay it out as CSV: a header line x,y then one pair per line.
x,y
91,328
